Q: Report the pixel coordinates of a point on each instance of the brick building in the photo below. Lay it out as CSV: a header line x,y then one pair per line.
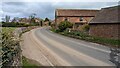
x,y
106,23
27,20
76,16
24,20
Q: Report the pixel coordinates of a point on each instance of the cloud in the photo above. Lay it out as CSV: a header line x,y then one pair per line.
x,y
60,1
47,9
14,3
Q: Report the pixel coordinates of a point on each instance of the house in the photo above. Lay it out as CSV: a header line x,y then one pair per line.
x,y
28,20
24,20
53,23
76,16
106,23
46,23
37,20
15,20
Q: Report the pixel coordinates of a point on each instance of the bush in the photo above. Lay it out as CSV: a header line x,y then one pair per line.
x,y
85,27
55,30
64,25
14,25
18,24
85,36
10,48
52,25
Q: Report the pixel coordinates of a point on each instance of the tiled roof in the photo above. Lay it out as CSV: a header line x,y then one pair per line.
x,y
76,12
107,15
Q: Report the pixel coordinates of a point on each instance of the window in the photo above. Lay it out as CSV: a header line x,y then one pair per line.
x,y
66,19
81,18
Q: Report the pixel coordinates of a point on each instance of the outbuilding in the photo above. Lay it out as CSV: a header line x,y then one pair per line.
x,y
106,23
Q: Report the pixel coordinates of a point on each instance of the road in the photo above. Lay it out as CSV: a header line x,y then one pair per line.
x,y
64,51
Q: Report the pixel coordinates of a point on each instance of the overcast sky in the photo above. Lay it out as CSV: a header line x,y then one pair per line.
x,y
46,8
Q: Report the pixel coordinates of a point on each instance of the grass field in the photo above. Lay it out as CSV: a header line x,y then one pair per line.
x,y
8,29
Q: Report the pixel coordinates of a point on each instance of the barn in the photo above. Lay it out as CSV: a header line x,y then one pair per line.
x,y
106,23
76,16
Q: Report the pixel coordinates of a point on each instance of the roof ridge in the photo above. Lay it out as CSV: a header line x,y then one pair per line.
x,y
79,9
111,7
107,15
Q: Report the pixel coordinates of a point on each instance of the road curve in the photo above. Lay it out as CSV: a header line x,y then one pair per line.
x,y
73,52
65,51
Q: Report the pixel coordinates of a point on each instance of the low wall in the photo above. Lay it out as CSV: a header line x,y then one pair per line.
x,y
105,30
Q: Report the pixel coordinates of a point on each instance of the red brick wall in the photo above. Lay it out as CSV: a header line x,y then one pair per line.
x,y
105,30
73,19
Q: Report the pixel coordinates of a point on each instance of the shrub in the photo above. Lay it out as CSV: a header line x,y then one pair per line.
x,y
55,30
85,27
52,25
14,24
19,24
85,36
10,48
64,25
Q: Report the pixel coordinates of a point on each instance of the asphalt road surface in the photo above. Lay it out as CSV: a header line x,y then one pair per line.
x,y
71,52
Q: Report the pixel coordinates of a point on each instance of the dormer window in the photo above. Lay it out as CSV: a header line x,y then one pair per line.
x,y
81,18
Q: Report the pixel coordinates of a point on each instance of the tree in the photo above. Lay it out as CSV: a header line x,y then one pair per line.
x,y
49,23
32,18
15,20
46,19
41,23
64,25
7,18
3,19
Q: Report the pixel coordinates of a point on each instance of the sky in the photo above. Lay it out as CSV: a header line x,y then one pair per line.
x,y
46,8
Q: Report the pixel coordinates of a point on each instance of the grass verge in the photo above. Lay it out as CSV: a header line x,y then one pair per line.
x,y
86,37
8,29
25,61
28,62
